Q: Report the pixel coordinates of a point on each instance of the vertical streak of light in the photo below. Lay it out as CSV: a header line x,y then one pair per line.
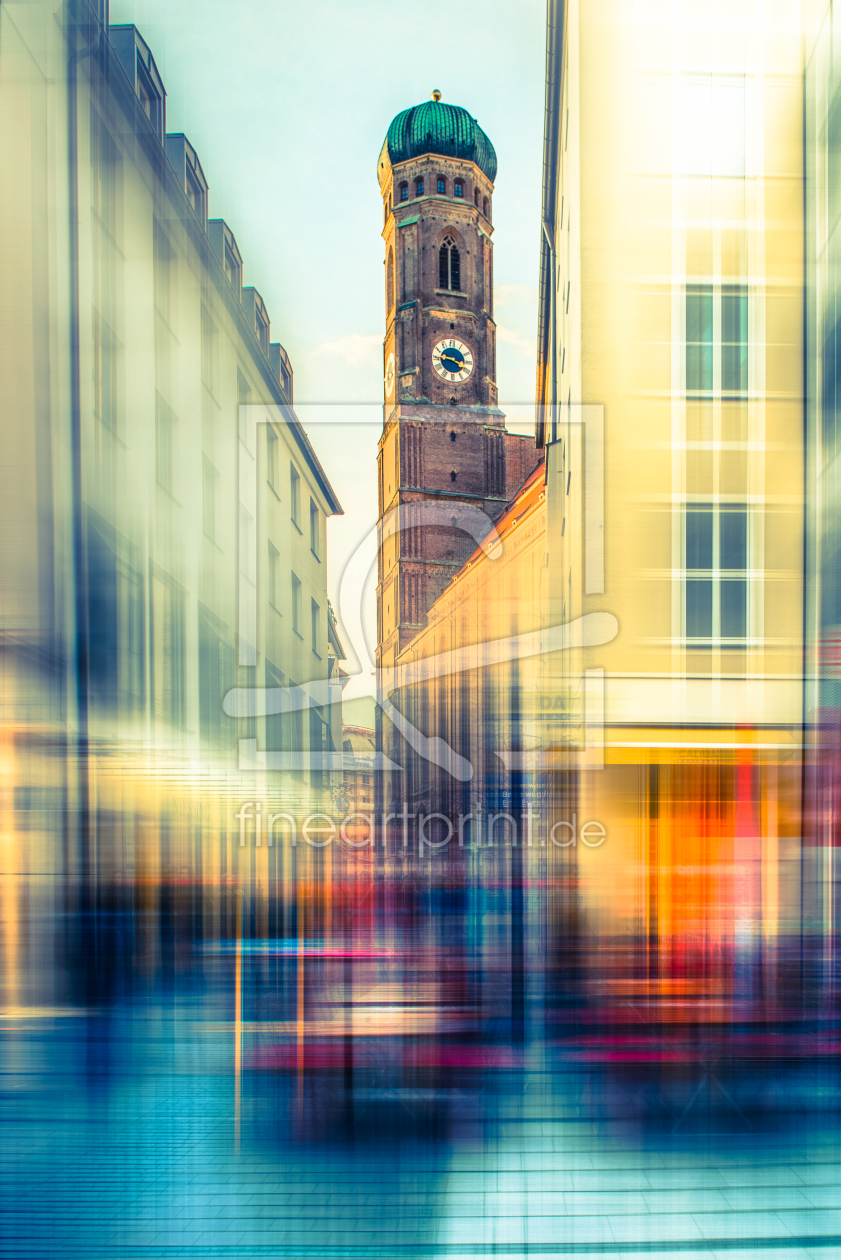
x,y
238,1022
300,1006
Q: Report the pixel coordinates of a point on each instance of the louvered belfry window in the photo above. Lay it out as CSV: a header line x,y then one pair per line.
x,y
449,267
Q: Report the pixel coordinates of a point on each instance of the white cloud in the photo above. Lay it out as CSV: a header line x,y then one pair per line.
x,y
348,368
518,342
511,294
353,349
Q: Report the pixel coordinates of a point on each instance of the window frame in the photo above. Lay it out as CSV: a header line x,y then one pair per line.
x,y
273,460
315,529
719,577
449,250
210,499
273,575
315,627
295,496
713,366
297,603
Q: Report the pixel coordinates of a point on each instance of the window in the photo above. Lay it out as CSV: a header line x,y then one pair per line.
x,y
165,444
315,528
295,490
712,126
195,193
453,475
210,489
476,197
274,573
209,343
243,401
296,605
167,650
485,207
699,337
277,738
107,307
449,273
716,544
273,459
247,545
164,258
419,188
458,189
262,329
295,731
233,268
404,192
314,625
216,670
734,339
149,99
703,373
105,360
442,186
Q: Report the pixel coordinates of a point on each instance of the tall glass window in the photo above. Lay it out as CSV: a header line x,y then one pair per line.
x,y
734,339
699,338
716,316
716,572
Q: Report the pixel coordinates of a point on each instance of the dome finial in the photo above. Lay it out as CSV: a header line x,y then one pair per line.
x,y
436,94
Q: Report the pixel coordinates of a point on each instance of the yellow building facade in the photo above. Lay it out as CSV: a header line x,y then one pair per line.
x,y
670,404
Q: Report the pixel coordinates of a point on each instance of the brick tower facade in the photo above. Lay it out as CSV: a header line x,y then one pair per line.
x,y
444,450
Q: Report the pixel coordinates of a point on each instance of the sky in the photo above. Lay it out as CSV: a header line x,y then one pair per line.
x,y
287,106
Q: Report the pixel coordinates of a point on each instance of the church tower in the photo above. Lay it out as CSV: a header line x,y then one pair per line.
x,y
444,450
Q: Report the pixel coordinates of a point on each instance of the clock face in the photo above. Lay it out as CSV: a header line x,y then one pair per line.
x,y
389,376
452,360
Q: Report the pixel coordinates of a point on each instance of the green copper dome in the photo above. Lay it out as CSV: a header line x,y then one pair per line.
x,y
435,127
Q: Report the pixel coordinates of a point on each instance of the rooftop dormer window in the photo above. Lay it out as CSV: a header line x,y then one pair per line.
x,y
136,59
149,98
262,326
233,268
195,194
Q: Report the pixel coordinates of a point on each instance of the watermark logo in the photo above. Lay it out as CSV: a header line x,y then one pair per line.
x,y
588,631
264,828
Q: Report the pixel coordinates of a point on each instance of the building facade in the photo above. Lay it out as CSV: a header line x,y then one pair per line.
x,y
165,513
671,305
823,590
446,464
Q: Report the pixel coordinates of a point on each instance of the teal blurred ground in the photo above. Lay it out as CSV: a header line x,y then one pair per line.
x,y
118,1139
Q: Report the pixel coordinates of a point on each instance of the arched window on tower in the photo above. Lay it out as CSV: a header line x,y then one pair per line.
x,y
485,208
404,192
476,197
458,189
442,186
389,281
449,265
419,188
